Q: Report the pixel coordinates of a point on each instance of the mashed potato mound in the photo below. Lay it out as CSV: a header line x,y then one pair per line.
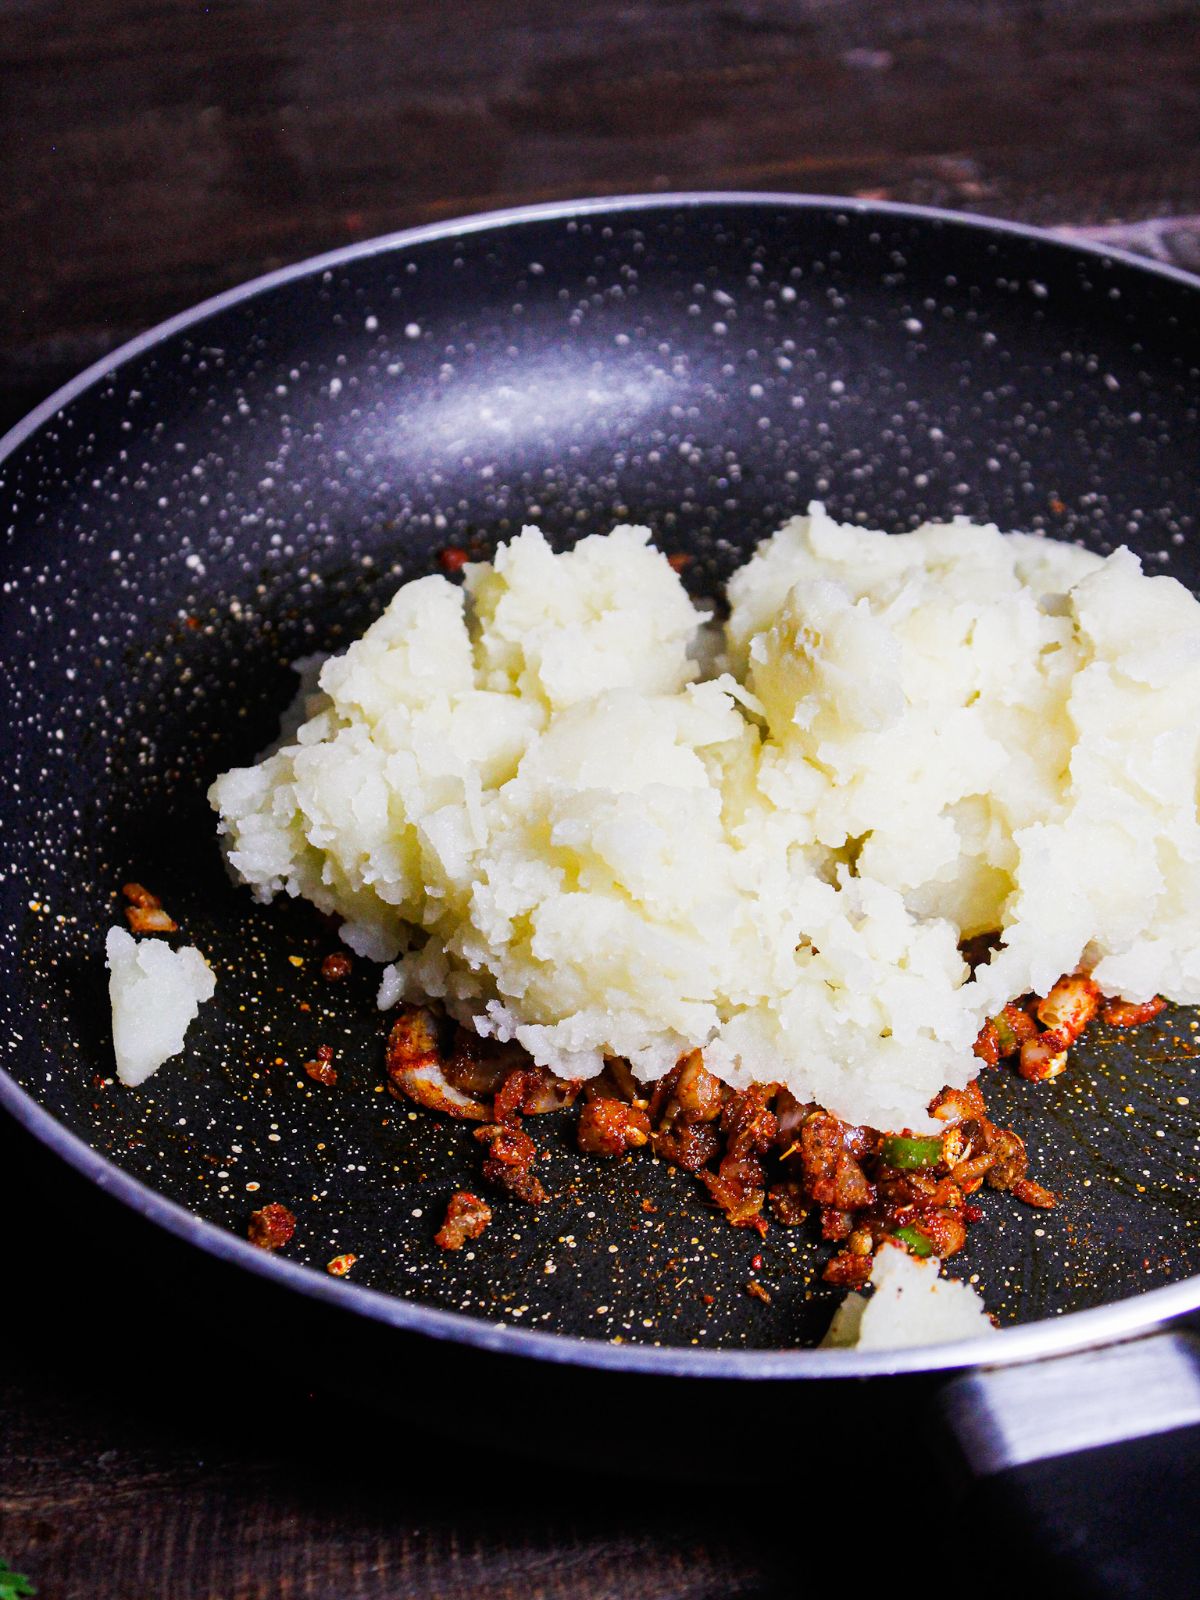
x,y
532,793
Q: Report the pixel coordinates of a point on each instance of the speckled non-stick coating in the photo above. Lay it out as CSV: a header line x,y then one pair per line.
x,y
252,488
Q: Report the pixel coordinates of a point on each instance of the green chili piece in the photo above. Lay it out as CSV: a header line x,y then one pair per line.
x,y
914,1240
898,1150
1005,1036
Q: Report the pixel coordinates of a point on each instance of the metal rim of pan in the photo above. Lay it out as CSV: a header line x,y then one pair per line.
x,y
1026,1342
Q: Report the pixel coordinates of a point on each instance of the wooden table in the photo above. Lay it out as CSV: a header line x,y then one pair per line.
x,y
155,154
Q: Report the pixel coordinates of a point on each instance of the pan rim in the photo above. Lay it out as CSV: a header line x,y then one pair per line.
x,y
1072,1331
549,211
1057,1336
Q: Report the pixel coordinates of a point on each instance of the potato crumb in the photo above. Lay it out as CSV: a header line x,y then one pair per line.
x,y
910,1305
155,993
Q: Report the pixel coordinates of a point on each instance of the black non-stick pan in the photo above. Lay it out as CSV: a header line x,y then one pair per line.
x,y
248,483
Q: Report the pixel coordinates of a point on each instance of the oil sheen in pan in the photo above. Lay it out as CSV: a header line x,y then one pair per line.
x,y
252,485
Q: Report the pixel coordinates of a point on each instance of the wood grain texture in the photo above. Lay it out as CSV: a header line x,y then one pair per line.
x,y
156,153
160,152
96,1509
151,1448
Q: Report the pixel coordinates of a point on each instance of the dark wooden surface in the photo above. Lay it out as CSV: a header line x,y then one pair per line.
x,y
154,153
141,1459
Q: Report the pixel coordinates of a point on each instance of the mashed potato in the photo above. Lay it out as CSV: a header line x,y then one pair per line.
x,y
910,1305
530,798
155,993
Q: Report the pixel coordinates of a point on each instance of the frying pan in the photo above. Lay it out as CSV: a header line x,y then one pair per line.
x,y
247,484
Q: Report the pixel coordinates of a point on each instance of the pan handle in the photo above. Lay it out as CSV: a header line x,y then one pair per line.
x,y
1087,1468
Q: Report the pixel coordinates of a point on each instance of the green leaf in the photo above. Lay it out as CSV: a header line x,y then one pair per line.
x,y
13,1585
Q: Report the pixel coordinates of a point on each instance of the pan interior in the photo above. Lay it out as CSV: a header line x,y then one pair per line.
x,y
251,488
